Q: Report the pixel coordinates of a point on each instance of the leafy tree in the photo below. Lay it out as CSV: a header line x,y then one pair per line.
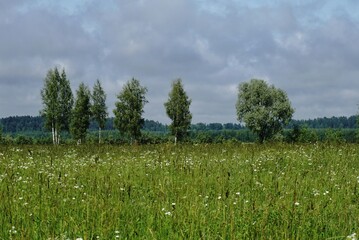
x,y
81,113
98,108
129,109
263,108
57,99
50,101
177,109
66,101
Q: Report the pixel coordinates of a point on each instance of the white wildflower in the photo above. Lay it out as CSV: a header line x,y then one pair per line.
x,y
352,236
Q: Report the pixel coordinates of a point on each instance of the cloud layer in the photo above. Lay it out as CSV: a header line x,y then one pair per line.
x,y
310,50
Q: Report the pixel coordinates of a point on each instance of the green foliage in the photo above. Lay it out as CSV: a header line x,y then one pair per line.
x,y
129,109
66,101
177,109
203,191
264,109
81,113
98,107
325,122
333,136
57,102
295,134
49,96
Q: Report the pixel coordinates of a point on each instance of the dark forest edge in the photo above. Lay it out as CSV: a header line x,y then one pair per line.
x,y
30,130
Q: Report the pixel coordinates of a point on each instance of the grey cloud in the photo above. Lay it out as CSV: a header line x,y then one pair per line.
x,y
312,57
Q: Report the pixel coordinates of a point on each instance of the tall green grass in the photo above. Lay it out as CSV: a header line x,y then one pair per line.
x,y
224,191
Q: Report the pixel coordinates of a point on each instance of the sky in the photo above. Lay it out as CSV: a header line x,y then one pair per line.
x,y
308,48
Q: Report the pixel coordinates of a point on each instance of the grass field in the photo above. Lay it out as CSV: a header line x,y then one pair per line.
x,y
224,191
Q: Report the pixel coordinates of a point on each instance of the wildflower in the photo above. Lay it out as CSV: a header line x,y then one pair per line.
x,y
352,236
13,230
168,213
296,203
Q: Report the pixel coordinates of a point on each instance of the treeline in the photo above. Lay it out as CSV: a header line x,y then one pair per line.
x,y
30,130
19,124
295,135
321,123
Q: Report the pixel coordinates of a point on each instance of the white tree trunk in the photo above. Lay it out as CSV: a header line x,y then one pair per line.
x,y
53,134
56,137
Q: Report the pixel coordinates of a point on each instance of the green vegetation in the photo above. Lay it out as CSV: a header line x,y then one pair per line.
x,y
216,191
264,109
98,107
18,124
177,109
57,100
81,114
129,109
28,130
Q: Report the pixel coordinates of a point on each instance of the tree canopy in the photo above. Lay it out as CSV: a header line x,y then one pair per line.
x,y
177,109
99,108
263,108
129,109
57,100
81,113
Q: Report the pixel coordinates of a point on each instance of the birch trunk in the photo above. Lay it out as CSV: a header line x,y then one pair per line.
x,y
99,135
56,137
53,133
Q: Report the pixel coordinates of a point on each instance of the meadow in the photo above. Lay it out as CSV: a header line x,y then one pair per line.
x,y
204,191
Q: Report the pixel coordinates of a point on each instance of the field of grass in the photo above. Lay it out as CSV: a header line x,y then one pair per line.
x,y
223,191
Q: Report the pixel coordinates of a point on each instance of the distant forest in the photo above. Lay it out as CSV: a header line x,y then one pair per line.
x,y
19,124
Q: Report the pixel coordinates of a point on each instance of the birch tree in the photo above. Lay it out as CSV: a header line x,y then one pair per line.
x,y
81,113
99,108
57,102
66,101
177,109
129,109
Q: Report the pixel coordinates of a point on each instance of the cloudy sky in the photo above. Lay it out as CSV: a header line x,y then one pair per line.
x,y
309,48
